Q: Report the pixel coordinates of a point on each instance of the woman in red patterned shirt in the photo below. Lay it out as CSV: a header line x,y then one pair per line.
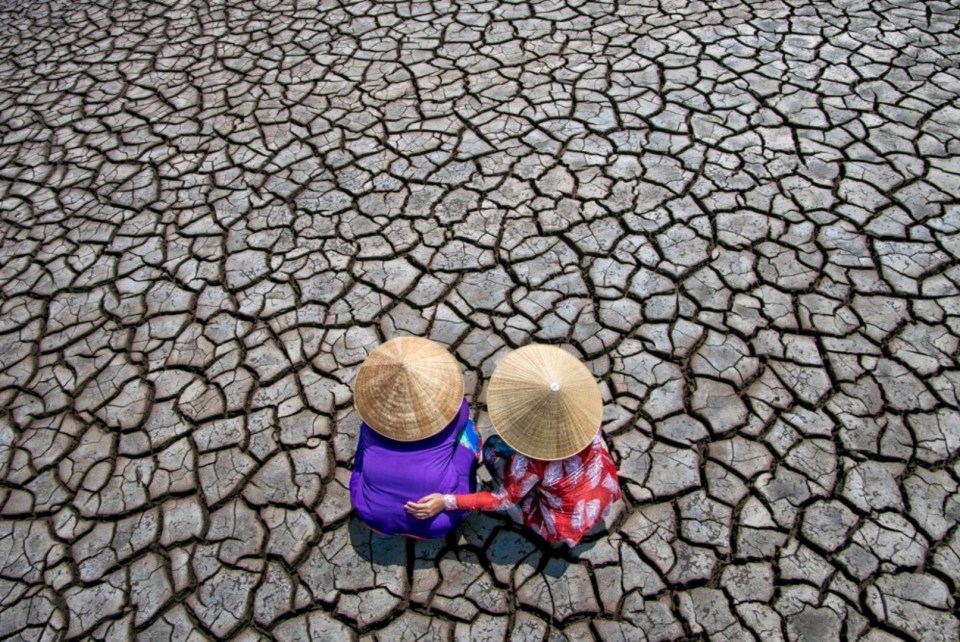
x,y
549,459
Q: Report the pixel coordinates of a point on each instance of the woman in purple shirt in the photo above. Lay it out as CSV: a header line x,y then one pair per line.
x,y
416,437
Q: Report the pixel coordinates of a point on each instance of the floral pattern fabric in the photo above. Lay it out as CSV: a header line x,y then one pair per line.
x,y
560,500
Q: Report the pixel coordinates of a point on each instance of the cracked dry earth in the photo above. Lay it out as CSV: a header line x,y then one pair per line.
x,y
743,216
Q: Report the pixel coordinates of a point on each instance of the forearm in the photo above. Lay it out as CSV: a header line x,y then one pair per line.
x,y
484,500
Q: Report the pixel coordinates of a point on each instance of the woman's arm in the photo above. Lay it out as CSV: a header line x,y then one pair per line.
x,y
513,488
428,506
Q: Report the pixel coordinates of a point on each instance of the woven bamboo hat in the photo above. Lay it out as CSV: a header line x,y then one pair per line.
x,y
544,402
409,388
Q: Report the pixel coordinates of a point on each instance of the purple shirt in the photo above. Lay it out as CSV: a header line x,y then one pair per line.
x,y
389,473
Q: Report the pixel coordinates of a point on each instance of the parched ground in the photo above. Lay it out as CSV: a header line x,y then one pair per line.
x,y
743,215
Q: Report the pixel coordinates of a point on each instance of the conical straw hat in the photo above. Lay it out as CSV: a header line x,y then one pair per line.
x,y
409,388
544,402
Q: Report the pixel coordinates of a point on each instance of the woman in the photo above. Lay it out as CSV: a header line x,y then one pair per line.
x,y
549,458
416,436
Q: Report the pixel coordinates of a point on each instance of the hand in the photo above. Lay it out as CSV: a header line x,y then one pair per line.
x,y
426,507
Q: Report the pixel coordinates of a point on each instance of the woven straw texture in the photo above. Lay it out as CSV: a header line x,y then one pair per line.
x,y
544,402
409,388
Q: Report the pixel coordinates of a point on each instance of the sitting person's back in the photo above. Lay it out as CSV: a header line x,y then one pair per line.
x,y
560,500
416,436
387,473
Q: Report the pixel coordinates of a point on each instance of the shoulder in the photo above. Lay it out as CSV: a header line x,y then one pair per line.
x,y
598,444
369,438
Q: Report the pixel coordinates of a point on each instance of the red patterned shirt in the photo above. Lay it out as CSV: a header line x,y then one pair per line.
x,y
560,500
